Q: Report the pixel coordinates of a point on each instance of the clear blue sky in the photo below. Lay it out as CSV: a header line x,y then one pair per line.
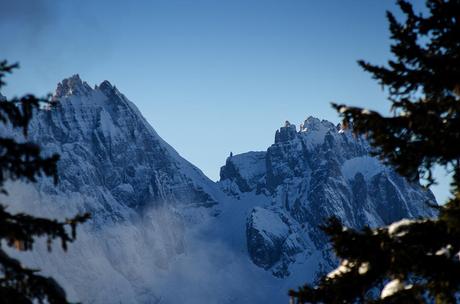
x,y
210,76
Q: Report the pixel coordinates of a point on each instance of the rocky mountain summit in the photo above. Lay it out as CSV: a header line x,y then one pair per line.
x,y
162,232
105,143
310,175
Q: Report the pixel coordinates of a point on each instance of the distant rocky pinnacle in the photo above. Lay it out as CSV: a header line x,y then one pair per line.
x,y
308,176
72,86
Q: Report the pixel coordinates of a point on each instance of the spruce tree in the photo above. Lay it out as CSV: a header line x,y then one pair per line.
x,y
23,161
410,261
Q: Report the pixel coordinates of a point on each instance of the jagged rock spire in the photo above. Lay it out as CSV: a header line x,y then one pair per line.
x,y
72,86
285,133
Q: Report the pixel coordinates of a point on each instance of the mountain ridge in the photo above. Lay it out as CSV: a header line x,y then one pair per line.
x,y
155,214
315,173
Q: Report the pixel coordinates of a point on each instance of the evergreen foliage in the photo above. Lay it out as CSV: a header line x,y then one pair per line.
x,y
24,161
410,261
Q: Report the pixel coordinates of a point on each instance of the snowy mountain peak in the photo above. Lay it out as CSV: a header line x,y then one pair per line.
x,y
72,85
314,124
312,131
104,140
107,88
306,177
105,85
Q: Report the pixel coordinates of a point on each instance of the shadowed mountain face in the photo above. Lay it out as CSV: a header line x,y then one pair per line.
x,y
162,232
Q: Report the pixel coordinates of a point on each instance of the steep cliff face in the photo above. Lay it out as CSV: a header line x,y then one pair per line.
x,y
307,176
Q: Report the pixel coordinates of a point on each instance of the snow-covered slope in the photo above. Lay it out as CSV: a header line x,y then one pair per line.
x,y
162,232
